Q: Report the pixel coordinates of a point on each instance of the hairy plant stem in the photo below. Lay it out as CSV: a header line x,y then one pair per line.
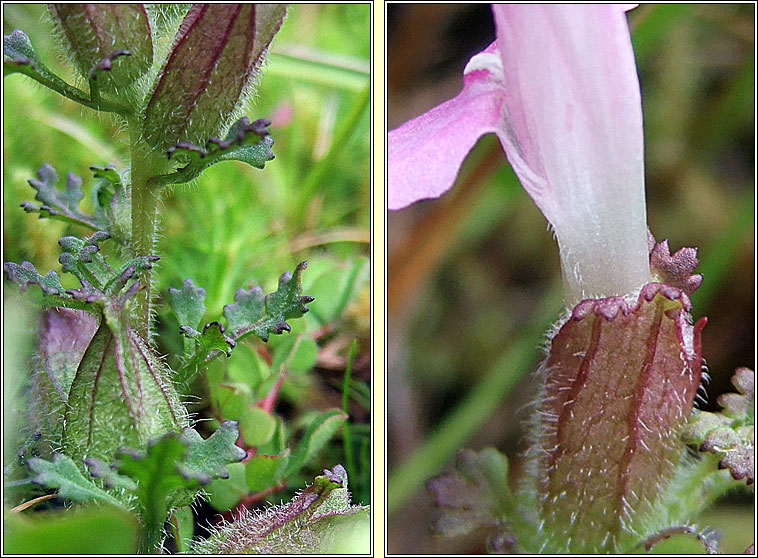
x,y
144,215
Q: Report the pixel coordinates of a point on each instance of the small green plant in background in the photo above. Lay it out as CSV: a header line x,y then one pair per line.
x,y
162,390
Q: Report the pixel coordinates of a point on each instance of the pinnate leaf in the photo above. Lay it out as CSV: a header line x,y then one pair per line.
x,y
210,342
729,434
63,474
61,204
254,313
25,274
111,478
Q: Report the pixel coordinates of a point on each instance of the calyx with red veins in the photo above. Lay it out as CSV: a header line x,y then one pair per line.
x,y
619,384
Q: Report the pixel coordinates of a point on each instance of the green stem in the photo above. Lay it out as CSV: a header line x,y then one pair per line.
x,y
144,215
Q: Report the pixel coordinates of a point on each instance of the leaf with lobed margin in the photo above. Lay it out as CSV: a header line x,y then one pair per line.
x,y
729,434
210,457
63,474
254,313
208,343
62,205
246,141
188,303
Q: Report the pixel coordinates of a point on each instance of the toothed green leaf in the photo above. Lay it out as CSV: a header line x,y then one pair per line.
x,y
188,303
247,142
253,313
63,474
25,274
210,457
101,470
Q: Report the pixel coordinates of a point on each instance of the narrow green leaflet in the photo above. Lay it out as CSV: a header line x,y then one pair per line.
x,y
310,523
254,313
246,141
316,436
63,474
188,303
209,458
183,522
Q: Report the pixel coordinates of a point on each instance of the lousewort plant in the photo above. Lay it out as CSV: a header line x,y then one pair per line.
x,y
609,469
108,419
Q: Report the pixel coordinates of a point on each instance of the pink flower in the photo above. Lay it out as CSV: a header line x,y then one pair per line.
x,y
559,88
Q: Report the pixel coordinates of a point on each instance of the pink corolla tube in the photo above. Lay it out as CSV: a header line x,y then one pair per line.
x,y
559,88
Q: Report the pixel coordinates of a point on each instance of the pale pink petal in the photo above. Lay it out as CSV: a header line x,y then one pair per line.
x,y
572,131
424,154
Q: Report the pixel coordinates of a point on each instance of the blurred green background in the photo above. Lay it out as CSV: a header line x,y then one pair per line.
x,y
237,226
474,278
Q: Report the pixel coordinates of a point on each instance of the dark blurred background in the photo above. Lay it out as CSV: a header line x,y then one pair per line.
x,y
474,278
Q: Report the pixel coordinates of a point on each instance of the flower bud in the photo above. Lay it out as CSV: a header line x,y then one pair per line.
x,y
98,36
209,71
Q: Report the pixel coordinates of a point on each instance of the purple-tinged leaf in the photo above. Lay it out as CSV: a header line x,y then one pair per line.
x,y
254,313
729,434
475,496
